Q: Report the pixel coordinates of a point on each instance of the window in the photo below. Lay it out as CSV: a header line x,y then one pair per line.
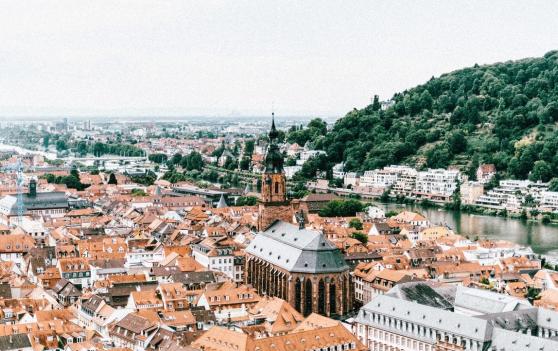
x,y
276,187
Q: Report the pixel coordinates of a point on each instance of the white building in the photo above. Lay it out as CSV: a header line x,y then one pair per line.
x,y
379,178
290,171
308,154
439,184
405,184
375,212
34,228
550,200
476,321
217,255
351,178
511,194
339,171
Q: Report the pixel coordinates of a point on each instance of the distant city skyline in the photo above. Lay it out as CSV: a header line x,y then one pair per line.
x,y
220,58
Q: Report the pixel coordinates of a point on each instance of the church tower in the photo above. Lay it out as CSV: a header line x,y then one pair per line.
x,y
273,204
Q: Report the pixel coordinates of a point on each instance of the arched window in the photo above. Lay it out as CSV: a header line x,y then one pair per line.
x,y
332,305
298,292
276,187
321,298
308,300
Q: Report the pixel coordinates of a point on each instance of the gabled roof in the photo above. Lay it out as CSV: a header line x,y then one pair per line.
x,y
135,323
222,203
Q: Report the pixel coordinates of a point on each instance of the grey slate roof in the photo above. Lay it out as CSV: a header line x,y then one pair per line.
x,y
297,250
93,303
14,342
514,320
510,341
547,319
486,302
204,277
421,292
465,326
50,200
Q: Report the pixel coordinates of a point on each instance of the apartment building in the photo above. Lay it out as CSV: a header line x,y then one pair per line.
x,y
549,201
379,178
405,184
437,184
511,194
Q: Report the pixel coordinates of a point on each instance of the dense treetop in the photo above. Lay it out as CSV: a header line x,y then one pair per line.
x,y
504,113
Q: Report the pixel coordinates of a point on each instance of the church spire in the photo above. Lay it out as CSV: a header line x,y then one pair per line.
x,y
273,158
273,133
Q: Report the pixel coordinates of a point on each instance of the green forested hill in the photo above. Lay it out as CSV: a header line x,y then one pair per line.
x,y
504,113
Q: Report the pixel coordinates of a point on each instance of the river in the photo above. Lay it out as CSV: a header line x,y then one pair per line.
x,y
542,238
22,151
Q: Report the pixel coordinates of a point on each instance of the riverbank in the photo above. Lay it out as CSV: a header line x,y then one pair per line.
x,y
542,238
526,214
23,151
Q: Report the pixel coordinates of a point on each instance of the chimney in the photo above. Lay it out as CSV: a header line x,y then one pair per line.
x,y
33,188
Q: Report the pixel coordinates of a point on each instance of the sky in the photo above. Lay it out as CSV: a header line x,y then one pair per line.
x,y
229,58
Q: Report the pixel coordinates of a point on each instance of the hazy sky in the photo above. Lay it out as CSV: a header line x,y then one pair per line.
x,y
237,57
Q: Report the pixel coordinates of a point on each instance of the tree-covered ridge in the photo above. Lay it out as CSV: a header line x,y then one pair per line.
x,y
503,113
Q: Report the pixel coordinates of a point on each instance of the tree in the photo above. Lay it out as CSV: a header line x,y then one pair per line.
x,y
426,100
532,294
355,223
192,161
376,103
438,157
529,201
457,142
146,179
360,236
157,158
46,141
249,147
341,208
391,213
541,171
99,149
61,145
210,175
138,192
456,197
246,201
245,163
553,184
82,148
71,181
485,113
112,179
74,173
176,158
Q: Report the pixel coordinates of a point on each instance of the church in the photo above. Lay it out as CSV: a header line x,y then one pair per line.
x,y
289,261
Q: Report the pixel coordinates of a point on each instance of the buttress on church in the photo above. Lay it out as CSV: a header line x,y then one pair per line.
x,y
289,261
